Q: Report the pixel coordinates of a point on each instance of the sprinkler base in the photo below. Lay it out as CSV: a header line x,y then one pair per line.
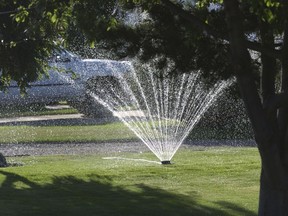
x,y
166,162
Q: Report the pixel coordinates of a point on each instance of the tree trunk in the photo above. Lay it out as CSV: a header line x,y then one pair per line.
x,y
273,199
3,162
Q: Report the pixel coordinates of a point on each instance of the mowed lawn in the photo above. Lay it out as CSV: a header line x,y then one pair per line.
x,y
115,131
201,181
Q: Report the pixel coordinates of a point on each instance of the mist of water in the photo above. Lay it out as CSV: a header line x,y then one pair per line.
x,y
161,109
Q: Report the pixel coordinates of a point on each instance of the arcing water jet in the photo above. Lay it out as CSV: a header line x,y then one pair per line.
x,y
160,109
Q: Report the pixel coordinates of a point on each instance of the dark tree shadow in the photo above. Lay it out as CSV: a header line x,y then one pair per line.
x,y
98,196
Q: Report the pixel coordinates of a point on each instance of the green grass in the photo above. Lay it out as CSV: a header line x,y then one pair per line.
x,y
81,133
204,181
96,133
33,110
109,132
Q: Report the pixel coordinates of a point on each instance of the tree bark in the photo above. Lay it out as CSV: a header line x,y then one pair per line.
x,y
273,199
268,64
272,202
283,111
3,162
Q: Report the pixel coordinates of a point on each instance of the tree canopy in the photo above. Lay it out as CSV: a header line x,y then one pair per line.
x,y
222,38
185,32
29,32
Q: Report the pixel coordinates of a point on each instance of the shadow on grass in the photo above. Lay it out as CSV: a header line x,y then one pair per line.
x,y
98,196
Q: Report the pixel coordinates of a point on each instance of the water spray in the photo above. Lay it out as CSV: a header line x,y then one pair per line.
x,y
161,111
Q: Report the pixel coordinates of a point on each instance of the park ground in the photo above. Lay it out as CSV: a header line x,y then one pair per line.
x,y
124,178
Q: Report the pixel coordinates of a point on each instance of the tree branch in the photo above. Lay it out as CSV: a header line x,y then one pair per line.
x,y
207,29
283,111
264,50
16,10
8,12
177,9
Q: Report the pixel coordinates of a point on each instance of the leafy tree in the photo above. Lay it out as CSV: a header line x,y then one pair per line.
x,y
246,39
29,32
223,38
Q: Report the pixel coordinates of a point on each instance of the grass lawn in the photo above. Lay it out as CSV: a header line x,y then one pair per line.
x,y
77,133
55,134
85,133
202,181
12,111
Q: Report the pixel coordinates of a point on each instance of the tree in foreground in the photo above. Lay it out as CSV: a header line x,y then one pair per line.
x,y
246,39
29,32
222,38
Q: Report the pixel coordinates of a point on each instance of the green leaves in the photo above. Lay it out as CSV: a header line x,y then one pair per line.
x,y
272,3
30,31
39,26
21,15
54,18
12,44
207,3
92,44
112,24
267,11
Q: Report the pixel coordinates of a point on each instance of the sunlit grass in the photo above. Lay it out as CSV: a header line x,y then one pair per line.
x,y
33,110
89,133
206,181
201,181
81,133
